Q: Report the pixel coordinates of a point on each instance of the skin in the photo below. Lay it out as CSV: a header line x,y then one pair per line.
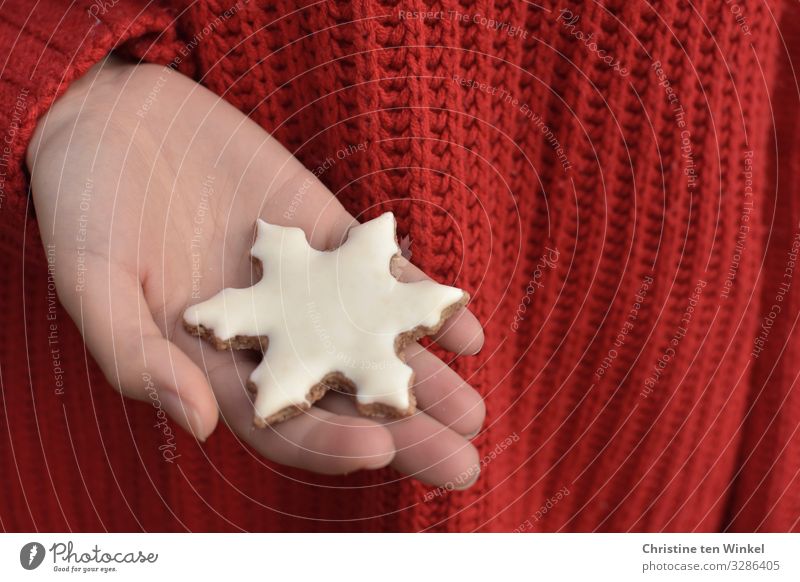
x,y
141,163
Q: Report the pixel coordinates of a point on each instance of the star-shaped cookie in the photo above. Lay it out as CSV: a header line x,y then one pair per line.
x,y
327,319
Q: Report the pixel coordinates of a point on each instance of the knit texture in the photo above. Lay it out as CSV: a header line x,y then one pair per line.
x,y
591,193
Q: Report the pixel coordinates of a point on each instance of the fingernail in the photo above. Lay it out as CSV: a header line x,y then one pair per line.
x,y
472,435
475,345
468,484
183,413
379,462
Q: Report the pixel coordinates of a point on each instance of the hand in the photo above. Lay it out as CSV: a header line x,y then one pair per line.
x,y
148,186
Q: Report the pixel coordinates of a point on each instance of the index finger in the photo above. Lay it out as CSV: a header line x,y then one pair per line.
x,y
462,333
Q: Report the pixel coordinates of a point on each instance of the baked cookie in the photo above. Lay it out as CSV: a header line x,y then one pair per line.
x,y
327,319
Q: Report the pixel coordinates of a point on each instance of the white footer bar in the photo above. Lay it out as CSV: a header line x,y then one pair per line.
x,y
406,557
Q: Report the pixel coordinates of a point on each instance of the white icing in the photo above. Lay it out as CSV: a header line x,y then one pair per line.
x,y
323,312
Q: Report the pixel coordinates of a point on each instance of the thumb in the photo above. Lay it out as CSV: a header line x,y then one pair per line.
x,y
134,355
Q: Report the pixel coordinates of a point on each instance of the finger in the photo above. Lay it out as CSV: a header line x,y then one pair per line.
x,y
135,357
315,440
443,395
302,201
424,448
462,333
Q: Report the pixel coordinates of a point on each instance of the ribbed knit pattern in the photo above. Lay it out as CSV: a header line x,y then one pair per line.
x,y
580,210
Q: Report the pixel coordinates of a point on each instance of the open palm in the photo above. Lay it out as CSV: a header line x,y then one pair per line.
x,y
148,186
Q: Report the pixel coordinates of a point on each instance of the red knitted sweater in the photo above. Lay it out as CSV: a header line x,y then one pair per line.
x,y
614,182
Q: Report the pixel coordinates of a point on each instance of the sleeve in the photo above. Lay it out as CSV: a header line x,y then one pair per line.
x,y
48,44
